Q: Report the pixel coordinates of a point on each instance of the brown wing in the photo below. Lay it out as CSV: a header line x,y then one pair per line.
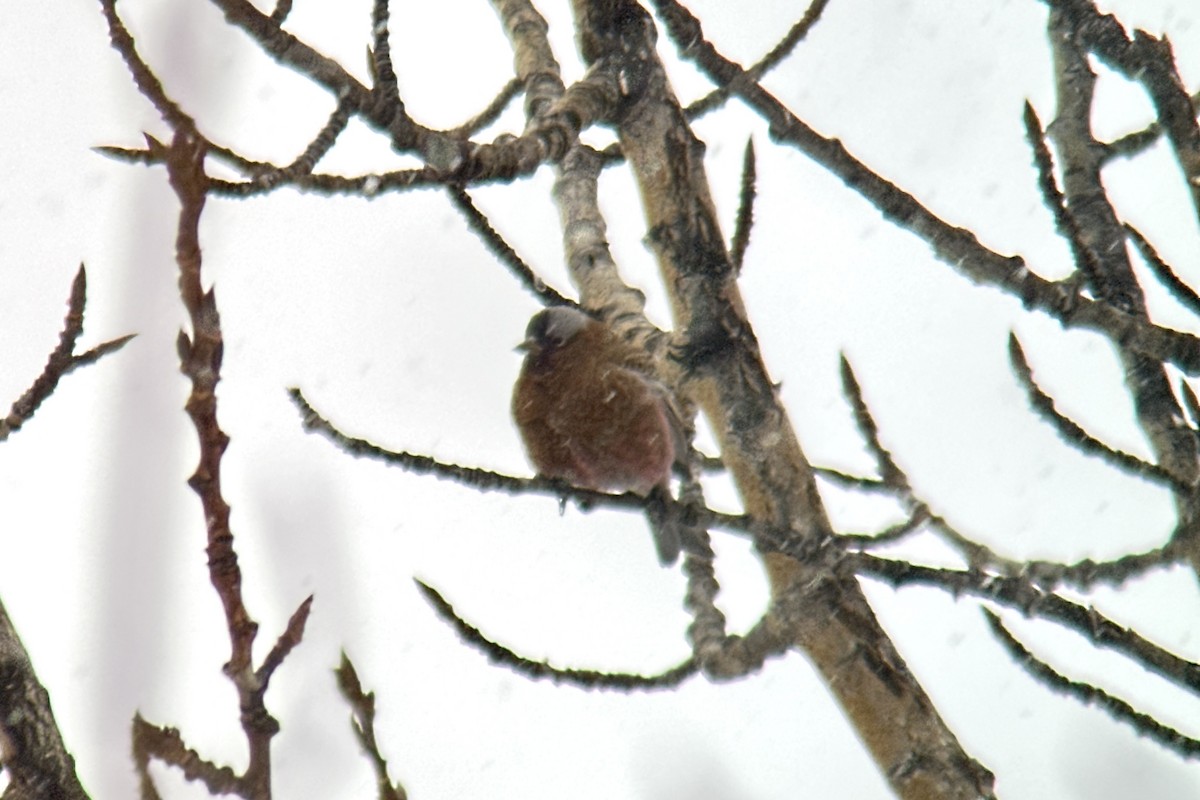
x,y
608,430
632,445
612,429
540,404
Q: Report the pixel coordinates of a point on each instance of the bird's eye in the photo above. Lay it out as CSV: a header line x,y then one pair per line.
x,y
551,333
537,329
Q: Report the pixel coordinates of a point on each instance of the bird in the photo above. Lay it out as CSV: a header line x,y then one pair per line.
x,y
590,412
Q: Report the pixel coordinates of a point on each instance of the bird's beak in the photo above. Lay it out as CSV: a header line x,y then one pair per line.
x,y
527,346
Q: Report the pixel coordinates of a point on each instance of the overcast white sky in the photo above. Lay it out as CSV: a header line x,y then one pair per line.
x,y
399,326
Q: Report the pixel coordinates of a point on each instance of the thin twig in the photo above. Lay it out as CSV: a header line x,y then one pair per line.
x,y
368,186
1147,60
62,359
1137,142
153,153
265,177
1053,197
167,745
954,245
292,634
143,77
387,85
490,113
889,472
540,670
1088,573
282,9
1192,402
853,481
290,51
1020,594
489,481
501,249
200,358
745,212
1072,433
362,705
1185,294
317,147
890,534
1118,709
773,58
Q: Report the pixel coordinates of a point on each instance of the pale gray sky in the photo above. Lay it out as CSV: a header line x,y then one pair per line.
x,y
399,327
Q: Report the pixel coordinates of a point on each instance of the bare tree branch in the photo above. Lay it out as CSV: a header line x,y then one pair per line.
x,y
1137,142
1020,594
1087,694
166,745
1185,294
772,59
362,705
1085,260
957,247
538,670
1147,60
712,360
503,251
745,213
63,360
1073,434
489,114
758,444
32,750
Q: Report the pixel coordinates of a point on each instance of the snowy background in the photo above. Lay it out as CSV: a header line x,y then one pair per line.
x,y
399,326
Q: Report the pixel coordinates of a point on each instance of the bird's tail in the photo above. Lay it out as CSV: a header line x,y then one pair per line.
x,y
667,524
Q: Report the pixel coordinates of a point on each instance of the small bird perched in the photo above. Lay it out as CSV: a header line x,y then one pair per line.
x,y
590,413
